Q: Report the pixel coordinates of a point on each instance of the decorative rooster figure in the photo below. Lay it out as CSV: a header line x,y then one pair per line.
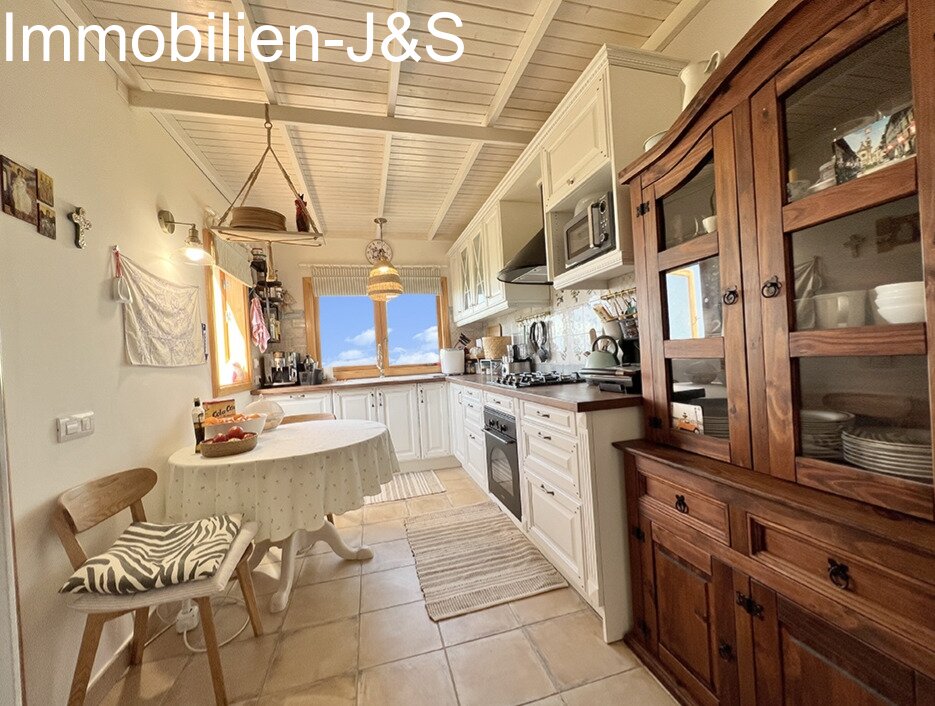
x,y
303,223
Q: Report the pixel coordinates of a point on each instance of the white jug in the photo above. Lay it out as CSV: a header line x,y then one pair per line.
x,y
694,75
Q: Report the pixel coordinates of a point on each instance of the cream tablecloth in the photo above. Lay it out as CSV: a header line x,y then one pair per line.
x,y
295,476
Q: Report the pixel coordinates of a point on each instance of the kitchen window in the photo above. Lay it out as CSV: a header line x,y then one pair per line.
x,y
347,332
228,333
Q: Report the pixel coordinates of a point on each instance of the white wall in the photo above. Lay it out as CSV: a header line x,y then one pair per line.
x,y
717,27
62,349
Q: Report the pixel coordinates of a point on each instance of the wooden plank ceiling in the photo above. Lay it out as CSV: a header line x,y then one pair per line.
x,y
520,59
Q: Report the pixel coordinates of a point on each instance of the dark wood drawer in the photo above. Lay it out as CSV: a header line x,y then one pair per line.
x,y
688,505
866,585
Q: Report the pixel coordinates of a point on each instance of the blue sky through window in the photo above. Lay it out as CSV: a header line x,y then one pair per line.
x,y
348,335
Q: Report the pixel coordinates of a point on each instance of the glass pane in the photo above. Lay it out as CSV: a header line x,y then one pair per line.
x,y
412,320
693,300
689,211
853,118
860,270
698,395
348,336
466,291
867,412
231,333
480,275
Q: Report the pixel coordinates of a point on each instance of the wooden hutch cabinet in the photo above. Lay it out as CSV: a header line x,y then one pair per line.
x,y
781,508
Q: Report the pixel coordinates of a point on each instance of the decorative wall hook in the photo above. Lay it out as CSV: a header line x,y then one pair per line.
x,y
82,226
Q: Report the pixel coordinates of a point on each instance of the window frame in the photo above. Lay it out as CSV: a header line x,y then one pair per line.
x,y
217,387
356,372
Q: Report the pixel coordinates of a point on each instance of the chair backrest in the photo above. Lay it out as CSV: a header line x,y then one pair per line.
x,y
89,504
318,417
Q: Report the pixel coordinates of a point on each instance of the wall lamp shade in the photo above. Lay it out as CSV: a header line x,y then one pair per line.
x,y
193,250
384,283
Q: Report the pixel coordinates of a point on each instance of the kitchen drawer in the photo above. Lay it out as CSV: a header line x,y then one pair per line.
x,y
554,457
865,585
502,402
561,420
471,394
701,512
304,402
473,414
556,526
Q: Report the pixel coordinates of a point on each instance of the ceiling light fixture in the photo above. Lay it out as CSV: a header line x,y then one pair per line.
x,y
193,251
383,283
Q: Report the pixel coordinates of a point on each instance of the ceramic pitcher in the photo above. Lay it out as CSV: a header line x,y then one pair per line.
x,y
695,74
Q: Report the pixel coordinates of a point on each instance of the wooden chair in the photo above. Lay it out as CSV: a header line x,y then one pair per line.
x,y
319,417
86,506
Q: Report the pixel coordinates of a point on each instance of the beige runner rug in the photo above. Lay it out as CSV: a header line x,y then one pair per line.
x,y
408,485
474,557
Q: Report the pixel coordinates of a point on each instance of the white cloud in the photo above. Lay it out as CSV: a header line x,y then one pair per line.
x,y
416,358
429,335
363,338
350,354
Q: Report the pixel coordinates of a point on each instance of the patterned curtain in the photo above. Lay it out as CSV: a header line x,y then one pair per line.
x,y
351,280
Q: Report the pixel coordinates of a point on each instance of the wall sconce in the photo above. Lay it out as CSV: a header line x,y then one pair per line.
x,y
193,251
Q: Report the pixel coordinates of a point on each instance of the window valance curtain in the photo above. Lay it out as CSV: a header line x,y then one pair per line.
x,y
351,280
234,259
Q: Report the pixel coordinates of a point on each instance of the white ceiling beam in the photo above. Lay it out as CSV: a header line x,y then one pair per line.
x,y
295,115
266,79
384,175
683,13
392,93
455,189
528,45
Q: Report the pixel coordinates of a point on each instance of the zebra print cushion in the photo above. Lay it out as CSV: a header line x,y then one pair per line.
x,y
148,556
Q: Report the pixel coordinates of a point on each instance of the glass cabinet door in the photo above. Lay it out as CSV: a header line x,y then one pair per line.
x,y
693,268
467,289
479,260
842,262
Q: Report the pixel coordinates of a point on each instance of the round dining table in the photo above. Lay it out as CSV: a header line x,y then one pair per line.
x,y
297,475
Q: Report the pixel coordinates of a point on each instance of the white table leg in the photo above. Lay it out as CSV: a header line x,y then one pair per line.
x,y
303,538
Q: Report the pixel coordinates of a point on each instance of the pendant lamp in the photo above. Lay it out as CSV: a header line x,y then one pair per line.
x,y
383,283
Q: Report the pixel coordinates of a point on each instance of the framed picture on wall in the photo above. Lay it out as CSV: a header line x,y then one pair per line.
x,y
19,191
45,188
46,221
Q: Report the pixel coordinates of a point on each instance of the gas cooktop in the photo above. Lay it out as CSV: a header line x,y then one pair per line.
x,y
536,379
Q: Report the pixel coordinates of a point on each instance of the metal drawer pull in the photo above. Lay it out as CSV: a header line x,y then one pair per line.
x,y
771,287
681,505
550,492
839,574
731,296
725,651
543,436
543,414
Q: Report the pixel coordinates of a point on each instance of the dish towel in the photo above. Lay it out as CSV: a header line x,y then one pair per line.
x,y
258,328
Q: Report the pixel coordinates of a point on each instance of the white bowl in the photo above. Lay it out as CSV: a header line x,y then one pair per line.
x,y
274,413
251,425
897,299
917,288
903,313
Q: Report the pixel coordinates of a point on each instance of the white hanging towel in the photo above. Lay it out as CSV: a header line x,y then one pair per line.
x,y
258,328
162,323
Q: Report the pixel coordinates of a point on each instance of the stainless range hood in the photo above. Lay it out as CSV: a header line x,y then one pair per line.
x,y
528,265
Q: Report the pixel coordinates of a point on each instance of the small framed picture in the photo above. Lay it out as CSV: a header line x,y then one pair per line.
x,y
19,191
45,189
46,225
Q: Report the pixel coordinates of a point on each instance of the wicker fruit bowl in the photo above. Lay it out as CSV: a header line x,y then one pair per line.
x,y
231,447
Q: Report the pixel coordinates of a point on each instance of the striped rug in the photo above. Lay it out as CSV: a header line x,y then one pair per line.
x,y
408,485
474,557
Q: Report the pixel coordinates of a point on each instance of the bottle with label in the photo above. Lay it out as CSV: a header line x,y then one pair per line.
x,y
198,420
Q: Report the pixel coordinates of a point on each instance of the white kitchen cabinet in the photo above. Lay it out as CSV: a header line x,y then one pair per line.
x,y
433,420
476,456
304,402
398,408
456,426
357,403
577,147
554,521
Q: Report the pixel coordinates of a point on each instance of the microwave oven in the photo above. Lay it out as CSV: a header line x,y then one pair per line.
x,y
591,232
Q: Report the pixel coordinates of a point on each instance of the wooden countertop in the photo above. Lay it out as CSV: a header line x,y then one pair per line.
x,y
579,397
576,397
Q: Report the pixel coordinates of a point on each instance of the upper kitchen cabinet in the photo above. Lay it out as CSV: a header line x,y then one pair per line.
x,y
784,229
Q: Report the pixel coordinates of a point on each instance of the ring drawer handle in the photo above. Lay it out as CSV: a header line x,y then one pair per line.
x,y
839,574
681,505
550,492
731,296
771,287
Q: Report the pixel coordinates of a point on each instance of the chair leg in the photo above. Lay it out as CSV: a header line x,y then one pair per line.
x,y
214,653
245,578
89,642
140,621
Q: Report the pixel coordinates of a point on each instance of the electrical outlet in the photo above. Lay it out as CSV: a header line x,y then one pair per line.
x,y
187,619
75,426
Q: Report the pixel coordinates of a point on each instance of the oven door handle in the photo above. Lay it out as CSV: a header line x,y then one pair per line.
x,y
499,437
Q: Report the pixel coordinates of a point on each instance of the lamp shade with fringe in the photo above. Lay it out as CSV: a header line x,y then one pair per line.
x,y
384,283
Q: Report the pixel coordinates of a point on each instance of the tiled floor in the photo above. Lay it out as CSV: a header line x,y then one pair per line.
x,y
358,633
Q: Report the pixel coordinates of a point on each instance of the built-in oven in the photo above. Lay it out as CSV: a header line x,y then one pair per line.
x,y
503,459
591,232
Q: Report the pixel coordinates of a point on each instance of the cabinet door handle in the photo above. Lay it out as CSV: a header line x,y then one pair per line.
x,y
550,492
543,414
681,505
839,574
543,436
571,181
725,651
731,296
771,287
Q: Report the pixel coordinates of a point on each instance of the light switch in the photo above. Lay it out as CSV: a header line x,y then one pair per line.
x,y
75,426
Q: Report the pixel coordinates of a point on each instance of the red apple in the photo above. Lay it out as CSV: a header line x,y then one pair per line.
x,y
220,438
235,433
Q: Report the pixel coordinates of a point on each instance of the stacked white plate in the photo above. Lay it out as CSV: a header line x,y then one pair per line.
x,y
900,303
821,432
904,453
714,411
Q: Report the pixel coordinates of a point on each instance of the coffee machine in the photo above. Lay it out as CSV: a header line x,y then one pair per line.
x,y
280,369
